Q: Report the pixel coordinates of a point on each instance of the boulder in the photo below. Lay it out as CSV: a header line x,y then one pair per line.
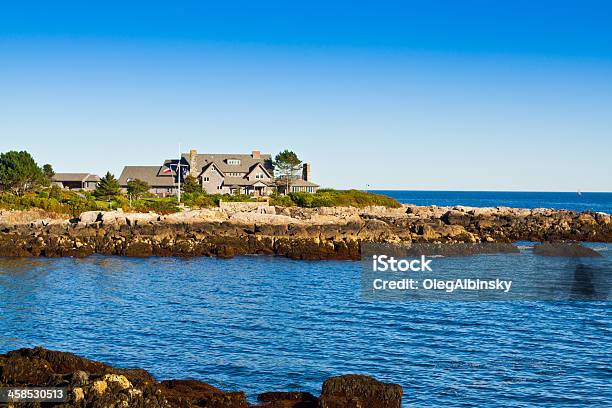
x,y
258,218
97,385
288,400
455,217
89,217
569,250
199,215
113,217
359,391
140,218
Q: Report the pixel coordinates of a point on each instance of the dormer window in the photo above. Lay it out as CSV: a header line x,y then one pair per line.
x,y
234,162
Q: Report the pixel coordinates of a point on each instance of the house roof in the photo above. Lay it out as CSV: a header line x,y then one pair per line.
x,y
303,183
92,177
150,174
260,165
209,165
60,177
246,161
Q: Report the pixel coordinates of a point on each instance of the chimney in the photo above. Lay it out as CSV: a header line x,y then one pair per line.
x,y
193,162
306,172
256,154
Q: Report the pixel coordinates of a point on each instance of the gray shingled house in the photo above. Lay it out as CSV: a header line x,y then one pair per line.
x,y
76,181
251,174
161,179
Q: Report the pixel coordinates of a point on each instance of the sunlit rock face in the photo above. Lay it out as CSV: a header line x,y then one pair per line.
x,y
300,233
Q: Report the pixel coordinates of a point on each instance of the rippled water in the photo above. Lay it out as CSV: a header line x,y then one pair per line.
x,y
520,199
262,323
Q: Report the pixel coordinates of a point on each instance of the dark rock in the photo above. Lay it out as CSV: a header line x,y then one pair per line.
x,y
454,217
192,393
288,400
92,384
97,385
359,391
569,250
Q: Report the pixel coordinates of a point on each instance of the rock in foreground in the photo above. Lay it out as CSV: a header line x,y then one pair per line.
x,y
92,384
357,391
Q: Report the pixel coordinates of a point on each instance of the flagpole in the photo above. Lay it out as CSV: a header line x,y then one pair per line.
x,y
178,170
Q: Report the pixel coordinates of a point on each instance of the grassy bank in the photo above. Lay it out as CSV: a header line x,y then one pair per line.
x,y
73,203
335,198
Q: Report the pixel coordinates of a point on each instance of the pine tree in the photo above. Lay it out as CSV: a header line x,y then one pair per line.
x,y
191,185
286,168
48,171
108,187
137,188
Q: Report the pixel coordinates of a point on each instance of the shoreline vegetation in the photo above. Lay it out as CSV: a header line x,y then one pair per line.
x,y
24,185
56,200
98,385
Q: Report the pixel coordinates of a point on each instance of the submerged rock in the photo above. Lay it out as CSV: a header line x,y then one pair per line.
x,y
568,250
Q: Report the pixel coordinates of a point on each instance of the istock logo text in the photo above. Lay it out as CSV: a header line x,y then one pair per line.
x,y
384,263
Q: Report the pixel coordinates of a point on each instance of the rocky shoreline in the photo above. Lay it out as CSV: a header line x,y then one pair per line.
x,y
299,233
93,384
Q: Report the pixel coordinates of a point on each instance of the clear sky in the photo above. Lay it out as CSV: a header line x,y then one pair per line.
x,y
451,95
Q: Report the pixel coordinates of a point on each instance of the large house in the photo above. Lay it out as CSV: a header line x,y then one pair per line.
x,y
161,179
251,174
76,181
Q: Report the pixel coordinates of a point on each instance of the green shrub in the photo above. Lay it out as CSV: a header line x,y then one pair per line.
x,y
281,200
233,198
159,205
342,198
55,192
302,199
199,200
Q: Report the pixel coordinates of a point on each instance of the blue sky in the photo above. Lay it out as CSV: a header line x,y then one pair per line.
x,y
469,95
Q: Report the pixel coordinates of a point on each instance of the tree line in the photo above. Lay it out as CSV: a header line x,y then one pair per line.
x,y
20,173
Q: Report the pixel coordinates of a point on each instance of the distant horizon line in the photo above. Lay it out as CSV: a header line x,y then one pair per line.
x,y
490,191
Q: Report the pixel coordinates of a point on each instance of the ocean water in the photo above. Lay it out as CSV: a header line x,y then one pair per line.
x,y
601,202
263,323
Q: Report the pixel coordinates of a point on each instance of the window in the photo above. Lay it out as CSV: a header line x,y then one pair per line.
x,y
205,179
233,161
219,187
234,174
259,175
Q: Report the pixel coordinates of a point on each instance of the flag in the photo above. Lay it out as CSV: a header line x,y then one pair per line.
x,y
166,170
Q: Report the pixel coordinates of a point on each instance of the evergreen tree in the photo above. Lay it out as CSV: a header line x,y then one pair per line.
x,y
137,188
108,187
286,168
191,185
19,172
48,171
